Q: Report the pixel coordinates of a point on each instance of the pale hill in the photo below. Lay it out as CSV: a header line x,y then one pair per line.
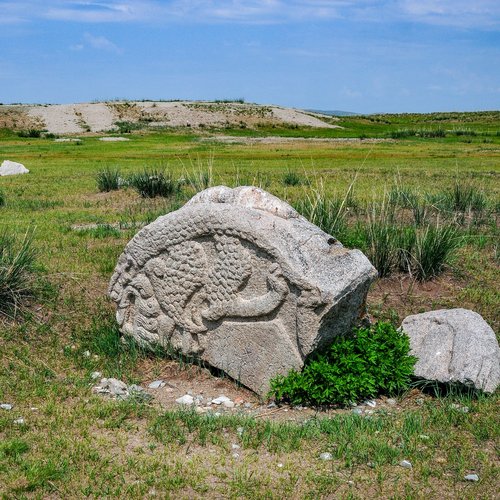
x,y
106,116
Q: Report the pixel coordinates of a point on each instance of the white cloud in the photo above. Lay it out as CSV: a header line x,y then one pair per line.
x,y
100,43
474,13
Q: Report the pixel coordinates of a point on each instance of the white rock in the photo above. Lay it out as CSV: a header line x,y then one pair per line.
x,y
185,400
86,354
157,384
228,404
325,456
95,375
12,168
114,139
371,403
19,421
240,430
112,386
220,400
280,465
472,477
391,402
454,345
6,406
235,446
236,455
406,464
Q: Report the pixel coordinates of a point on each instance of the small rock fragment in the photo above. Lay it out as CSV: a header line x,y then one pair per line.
x,y
228,404
272,404
235,446
185,400
391,401
86,354
236,455
240,430
371,403
280,465
157,384
247,405
19,421
6,406
325,456
406,464
95,375
220,400
424,437
357,411
472,477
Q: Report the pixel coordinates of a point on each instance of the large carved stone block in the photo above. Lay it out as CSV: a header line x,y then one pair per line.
x,y
240,279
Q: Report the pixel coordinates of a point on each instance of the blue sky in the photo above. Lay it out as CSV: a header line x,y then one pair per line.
x,y
358,55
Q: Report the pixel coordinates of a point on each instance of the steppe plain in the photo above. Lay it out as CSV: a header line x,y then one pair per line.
x,y
74,443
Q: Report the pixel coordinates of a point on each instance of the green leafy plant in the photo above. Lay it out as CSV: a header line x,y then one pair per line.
x,y
154,182
369,362
108,179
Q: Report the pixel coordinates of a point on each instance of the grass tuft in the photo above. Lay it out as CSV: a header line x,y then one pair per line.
x,y
108,180
154,182
17,259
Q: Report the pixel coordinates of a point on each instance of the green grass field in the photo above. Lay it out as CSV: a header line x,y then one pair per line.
x,y
76,444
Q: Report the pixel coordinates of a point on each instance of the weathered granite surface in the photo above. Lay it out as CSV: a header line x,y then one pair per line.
x,y
454,345
240,279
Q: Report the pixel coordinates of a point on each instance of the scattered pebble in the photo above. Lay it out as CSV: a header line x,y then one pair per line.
x,y
371,403
95,375
325,456
272,404
235,446
240,430
350,482
187,399
236,455
157,384
357,411
6,406
424,437
391,402
220,400
228,404
34,408
247,405
280,465
86,354
419,401
406,464
19,421
472,477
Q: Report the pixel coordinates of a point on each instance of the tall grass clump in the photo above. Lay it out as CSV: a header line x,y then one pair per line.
x,y
17,260
433,248
362,365
154,182
2,198
108,179
329,214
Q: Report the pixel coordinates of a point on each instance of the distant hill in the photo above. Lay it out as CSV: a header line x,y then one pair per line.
x,y
124,116
335,112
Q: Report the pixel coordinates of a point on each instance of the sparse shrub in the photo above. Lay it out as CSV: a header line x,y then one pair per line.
x,y
369,362
17,260
108,179
403,197
291,178
31,133
154,182
125,127
2,198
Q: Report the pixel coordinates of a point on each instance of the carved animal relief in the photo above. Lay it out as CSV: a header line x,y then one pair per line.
x,y
235,277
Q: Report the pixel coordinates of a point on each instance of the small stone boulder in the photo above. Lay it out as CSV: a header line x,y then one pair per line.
x,y
12,168
454,345
239,279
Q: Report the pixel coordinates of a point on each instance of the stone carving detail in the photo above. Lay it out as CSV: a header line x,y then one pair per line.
x,y
238,278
